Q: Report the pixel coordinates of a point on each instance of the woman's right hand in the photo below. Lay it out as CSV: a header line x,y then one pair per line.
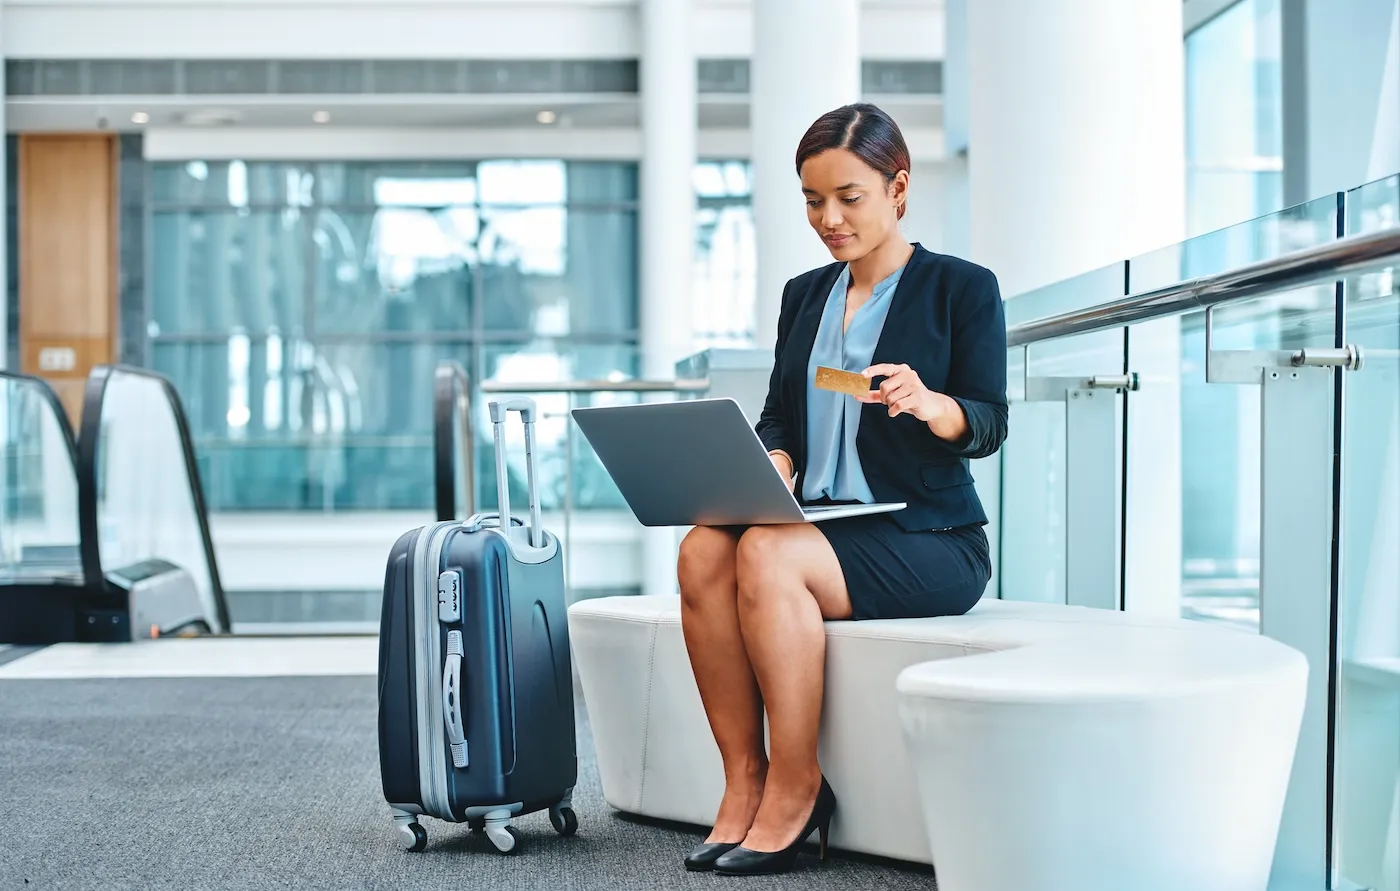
x,y
784,467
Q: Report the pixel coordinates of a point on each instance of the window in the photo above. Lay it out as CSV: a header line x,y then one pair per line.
x,y
301,308
1234,122
726,265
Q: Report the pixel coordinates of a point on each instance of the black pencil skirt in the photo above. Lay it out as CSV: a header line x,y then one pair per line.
x,y
895,574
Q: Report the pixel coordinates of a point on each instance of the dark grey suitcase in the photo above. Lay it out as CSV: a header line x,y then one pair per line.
x,y
476,706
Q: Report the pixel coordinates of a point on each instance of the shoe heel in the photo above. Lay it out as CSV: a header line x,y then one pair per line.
x,y
822,832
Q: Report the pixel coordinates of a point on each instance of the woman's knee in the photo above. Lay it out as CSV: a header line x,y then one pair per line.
x,y
758,557
706,555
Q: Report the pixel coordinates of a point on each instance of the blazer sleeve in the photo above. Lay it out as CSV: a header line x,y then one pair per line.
x,y
772,428
977,372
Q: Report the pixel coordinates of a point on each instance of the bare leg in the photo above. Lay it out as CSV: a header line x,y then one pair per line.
x,y
789,581
710,622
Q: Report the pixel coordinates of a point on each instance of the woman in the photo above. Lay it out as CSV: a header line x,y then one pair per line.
x,y
929,333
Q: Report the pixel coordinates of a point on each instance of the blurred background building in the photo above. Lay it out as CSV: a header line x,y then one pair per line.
x,y
297,210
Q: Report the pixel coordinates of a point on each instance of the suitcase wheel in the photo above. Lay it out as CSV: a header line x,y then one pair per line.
x,y
505,838
476,823
413,836
563,819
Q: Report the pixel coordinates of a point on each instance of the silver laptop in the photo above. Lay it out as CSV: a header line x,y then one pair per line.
x,y
697,463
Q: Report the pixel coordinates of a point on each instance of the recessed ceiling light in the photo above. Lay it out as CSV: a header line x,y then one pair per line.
x,y
546,117
140,117
321,117
211,117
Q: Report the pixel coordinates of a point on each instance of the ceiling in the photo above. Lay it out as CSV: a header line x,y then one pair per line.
x,y
87,113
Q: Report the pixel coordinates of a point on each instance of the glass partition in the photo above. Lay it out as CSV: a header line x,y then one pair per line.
x,y
1366,821
39,530
1036,462
1195,446
137,461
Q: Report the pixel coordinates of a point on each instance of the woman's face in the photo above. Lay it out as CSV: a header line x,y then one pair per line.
x,y
849,203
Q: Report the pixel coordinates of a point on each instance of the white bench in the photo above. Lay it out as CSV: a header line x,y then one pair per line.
x,y
1053,747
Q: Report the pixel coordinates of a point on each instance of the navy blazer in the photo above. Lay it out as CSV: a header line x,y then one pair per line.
x,y
946,323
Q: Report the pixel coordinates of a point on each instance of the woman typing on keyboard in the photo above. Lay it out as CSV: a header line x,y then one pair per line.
x,y
926,334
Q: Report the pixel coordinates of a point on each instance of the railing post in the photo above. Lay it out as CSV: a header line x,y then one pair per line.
x,y
1297,596
1092,479
1091,498
1295,582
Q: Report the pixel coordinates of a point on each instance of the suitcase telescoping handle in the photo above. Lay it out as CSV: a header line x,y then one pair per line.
x,y
500,410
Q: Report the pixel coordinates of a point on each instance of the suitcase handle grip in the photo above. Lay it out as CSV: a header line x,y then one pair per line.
x,y
477,521
452,699
523,404
500,409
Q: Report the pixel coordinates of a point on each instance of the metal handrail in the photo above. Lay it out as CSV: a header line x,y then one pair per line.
x,y
1310,266
679,385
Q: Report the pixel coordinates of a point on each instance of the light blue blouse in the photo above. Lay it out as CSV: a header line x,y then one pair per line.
x,y
833,465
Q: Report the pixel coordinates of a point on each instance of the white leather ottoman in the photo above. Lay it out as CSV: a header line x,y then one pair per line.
x,y
1078,757
658,759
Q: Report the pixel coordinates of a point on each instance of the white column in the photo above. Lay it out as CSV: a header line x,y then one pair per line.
x,y
667,221
1076,123
804,65
667,195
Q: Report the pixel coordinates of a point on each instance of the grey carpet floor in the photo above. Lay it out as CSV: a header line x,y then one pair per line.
x,y
274,783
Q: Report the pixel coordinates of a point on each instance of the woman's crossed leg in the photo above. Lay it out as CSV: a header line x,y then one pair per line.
x,y
752,608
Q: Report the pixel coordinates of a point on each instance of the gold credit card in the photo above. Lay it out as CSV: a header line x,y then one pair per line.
x,y
838,381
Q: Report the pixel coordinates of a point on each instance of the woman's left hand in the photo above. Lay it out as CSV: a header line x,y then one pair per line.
x,y
904,393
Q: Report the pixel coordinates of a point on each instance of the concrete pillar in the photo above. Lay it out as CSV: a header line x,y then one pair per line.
x,y
667,221
803,66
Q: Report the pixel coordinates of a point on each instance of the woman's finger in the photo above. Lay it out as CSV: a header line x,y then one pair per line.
x,y
904,389
894,382
902,405
884,368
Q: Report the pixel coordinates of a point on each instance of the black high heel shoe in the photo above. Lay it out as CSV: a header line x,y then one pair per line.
x,y
703,857
743,862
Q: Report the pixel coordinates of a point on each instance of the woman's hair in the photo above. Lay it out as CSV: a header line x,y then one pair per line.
x,y
865,131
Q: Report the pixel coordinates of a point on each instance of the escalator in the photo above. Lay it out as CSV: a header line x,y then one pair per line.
x,y
104,536
454,467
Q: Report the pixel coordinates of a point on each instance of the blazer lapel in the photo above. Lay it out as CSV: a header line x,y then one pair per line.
x,y
904,310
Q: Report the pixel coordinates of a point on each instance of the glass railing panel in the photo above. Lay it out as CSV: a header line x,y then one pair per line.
x,y
1367,769
1194,447
39,530
148,497
1034,461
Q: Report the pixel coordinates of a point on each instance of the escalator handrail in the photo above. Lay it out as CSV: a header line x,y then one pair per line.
x,y
65,426
93,394
47,393
451,389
